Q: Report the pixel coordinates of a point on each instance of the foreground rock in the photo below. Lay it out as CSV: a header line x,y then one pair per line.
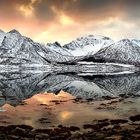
x,y
102,129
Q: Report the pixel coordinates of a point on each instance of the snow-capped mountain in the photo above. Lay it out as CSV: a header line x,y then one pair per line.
x,y
2,34
137,42
123,51
16,49
88,45
57,54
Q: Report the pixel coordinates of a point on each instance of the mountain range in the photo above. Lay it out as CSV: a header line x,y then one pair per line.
x,y
16,49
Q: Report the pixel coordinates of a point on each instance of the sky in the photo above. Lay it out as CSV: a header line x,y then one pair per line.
x,y
47,21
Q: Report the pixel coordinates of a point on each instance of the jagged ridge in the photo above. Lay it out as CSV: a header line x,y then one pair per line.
x,y
16,49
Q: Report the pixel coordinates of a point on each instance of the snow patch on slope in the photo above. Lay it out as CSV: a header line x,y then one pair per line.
x,y
2,34
88,45
137,42
123,51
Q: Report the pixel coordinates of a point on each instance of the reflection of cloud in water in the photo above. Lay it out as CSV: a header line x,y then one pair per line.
x,y
65,115
43,100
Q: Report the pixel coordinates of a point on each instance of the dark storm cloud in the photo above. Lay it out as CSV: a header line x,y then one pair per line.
x,y
8,7
131,9
43,9
96,9
69,18
78,9
9,3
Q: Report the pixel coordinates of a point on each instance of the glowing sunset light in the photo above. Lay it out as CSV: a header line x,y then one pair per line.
x,y
65,20
47,21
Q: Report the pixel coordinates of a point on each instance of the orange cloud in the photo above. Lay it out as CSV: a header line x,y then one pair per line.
x,y
64,20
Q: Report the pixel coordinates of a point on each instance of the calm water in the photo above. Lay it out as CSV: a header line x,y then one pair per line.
x,y
47,100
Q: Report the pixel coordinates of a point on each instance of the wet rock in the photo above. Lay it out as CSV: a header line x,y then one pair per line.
x,y
87,126
104,120
74,128
99,123
121,99
118,121
65,135
58,101
57,138
117,137
60,126
100,136
3,137
137,129
90,126
135,118
90,136
109,98
99,130
58,131
103,124
19,131
106,106
43,104
89,99
27,127
112,102
13,137
136,137
100,107
126,134
124,96
41,137
117,127
110,107
2,129
102,104
78,100
39,131
76,135
44,120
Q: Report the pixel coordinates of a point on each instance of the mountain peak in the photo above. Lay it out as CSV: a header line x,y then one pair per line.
x,y
90,36
1,31
57,44
125,40
137,42
14,31
88,45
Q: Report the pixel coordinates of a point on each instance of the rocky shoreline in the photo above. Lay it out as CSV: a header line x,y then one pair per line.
x,y
120,128
117,129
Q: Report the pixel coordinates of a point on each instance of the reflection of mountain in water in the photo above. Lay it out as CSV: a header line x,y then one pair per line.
x,y
23,85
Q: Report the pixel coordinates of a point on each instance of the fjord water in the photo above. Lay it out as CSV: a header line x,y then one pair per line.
x,y
45,100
